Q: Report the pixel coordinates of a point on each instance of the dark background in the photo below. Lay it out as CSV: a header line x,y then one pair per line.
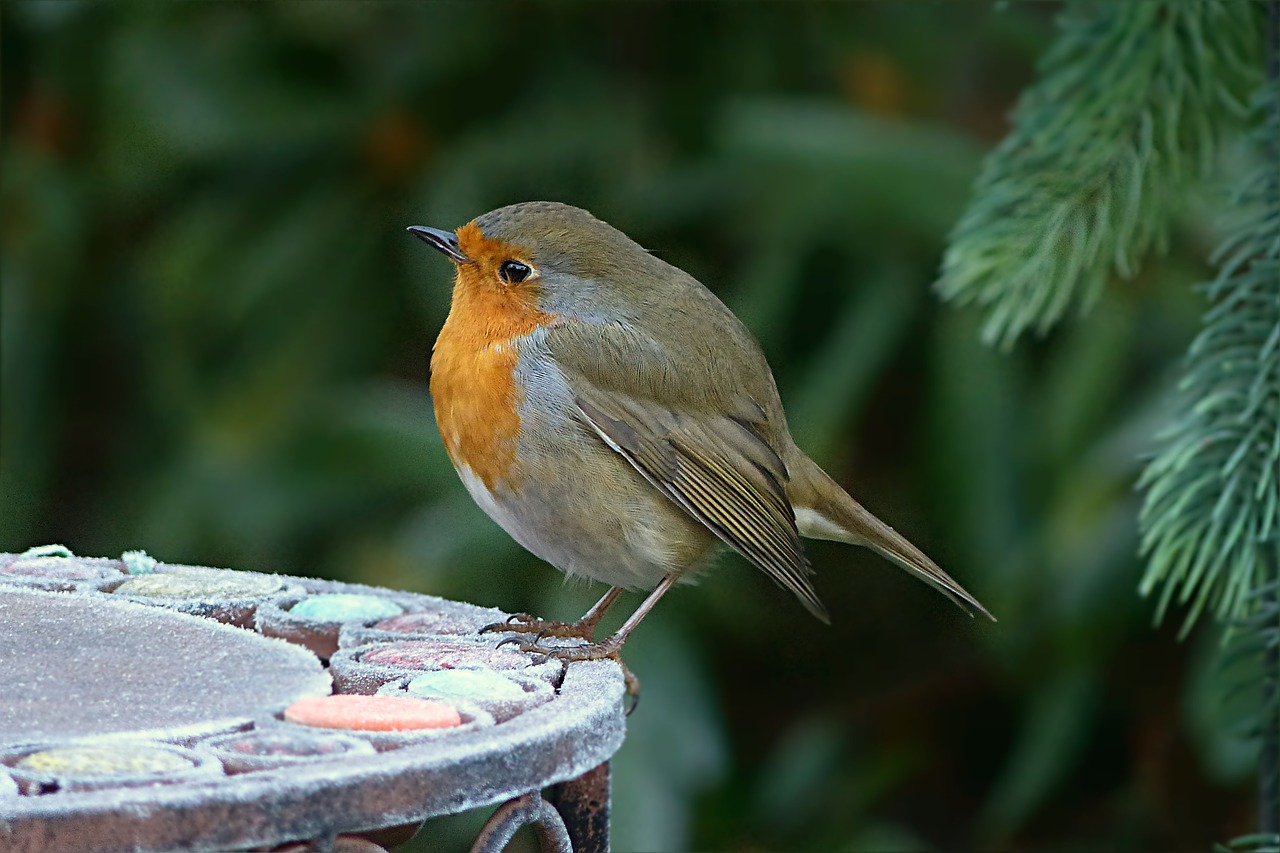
x,y
215,337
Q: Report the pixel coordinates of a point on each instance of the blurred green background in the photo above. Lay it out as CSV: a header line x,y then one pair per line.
x,y
215,336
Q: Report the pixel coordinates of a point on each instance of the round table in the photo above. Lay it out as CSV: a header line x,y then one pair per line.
x,y
83,667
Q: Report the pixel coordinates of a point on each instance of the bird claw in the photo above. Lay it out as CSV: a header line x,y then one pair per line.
x,y
606,650
571,654
514,623
523,623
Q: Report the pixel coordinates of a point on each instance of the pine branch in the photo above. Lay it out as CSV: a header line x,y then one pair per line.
x,y
1125,116
1268,618
1213,491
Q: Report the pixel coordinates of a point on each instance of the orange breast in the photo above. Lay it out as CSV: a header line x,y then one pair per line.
x,y
473,363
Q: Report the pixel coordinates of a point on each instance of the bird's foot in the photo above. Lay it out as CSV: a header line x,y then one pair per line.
x,y
523,623
610,649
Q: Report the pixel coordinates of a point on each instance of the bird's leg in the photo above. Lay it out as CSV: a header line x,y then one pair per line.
x,y
612,647
584,628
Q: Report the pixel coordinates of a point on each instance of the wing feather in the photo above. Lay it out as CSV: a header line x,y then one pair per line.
x,y
718,469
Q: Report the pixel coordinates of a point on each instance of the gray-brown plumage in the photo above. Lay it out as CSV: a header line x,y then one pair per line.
x,y
650,430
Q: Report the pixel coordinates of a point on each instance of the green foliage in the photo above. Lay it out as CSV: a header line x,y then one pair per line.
x,y
1262,842
1211,515
1127,114
1129,111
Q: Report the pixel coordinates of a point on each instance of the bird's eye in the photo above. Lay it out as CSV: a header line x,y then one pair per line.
x,y
513,272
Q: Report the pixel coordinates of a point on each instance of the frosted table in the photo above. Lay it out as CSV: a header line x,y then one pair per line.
x,y
63,667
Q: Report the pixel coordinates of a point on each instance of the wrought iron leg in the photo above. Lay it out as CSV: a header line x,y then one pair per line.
x,y
584,805
524,810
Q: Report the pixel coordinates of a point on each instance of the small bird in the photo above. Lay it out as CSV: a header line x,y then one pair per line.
x,y
618,421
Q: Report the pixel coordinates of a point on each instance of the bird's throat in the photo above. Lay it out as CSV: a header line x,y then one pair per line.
x,y
472,376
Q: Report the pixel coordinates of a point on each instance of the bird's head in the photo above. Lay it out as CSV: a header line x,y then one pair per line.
x,y
546,257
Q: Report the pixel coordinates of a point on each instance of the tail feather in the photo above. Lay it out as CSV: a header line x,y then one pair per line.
x,y
826,511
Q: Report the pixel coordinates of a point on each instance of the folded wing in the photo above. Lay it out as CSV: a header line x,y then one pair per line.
x,y
716,467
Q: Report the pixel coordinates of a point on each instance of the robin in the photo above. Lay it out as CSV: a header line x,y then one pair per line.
x,y
618,421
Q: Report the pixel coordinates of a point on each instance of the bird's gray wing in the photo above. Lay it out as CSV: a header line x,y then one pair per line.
x,y
717,467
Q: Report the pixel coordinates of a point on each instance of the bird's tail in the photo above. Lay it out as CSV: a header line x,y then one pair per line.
x,y
826,511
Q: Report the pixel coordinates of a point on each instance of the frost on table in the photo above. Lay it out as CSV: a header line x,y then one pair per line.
x,y
78,666
112,660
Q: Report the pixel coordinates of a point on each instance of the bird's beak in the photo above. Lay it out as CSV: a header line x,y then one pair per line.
x,y
445,242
